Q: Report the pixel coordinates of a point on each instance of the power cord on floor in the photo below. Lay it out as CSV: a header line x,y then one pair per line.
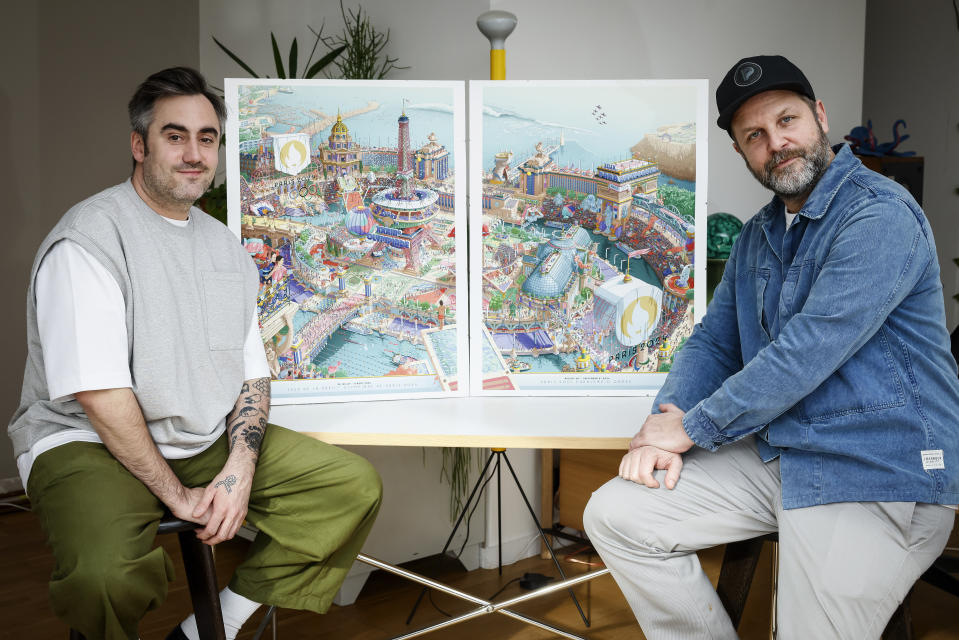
x,y
469,518
459,553
503,588
436,606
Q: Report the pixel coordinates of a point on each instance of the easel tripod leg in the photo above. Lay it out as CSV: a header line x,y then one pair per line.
x,y
539,528
499,508
459,520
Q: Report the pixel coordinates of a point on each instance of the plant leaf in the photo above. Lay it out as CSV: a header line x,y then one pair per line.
x,y
293,55
235,59
322,62
316,43
280,73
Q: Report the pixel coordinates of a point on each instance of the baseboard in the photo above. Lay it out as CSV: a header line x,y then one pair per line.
x,y
514,550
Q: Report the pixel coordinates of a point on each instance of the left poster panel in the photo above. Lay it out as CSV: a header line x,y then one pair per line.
x,y
350,196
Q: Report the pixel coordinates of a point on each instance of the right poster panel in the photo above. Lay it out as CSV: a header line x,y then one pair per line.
x,y
587,233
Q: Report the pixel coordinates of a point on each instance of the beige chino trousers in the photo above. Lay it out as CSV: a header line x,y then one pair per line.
x,y
843,568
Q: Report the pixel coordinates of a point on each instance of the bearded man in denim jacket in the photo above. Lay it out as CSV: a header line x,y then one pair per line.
x,y
817,399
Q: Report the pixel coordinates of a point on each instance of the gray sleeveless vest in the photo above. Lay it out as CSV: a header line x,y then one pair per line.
x,y
189,294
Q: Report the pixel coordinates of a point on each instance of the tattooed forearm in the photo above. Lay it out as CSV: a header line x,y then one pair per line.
x,y
246,424
262,385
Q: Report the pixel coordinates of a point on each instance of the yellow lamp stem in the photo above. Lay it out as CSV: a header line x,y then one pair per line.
x,y
497,64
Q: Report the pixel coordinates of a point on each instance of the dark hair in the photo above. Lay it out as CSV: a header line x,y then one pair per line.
x,y
175,81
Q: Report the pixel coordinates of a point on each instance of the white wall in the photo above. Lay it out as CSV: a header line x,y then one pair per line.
x,y
19,125
911,73
566,39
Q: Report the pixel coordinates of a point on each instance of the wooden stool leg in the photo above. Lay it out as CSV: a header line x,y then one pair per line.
x,y
201,576
736,575
899,626
773,622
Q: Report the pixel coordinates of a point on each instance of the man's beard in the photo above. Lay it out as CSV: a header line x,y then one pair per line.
x,y
799,178
164,187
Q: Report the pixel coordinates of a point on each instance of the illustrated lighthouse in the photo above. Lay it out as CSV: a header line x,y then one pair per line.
x,y
403,212
404,159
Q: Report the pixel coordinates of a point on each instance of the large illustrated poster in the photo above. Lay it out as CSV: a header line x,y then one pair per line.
x,y
585,206
349,197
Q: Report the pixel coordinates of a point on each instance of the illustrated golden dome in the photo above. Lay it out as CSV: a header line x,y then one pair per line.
x,y
339,129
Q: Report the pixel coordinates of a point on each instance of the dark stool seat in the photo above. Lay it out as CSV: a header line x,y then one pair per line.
x,y
201,578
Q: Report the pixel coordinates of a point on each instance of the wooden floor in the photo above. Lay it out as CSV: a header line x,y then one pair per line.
x,y
386,600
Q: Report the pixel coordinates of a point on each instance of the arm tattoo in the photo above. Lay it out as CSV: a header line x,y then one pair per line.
x,y
247,422
262,385
227,483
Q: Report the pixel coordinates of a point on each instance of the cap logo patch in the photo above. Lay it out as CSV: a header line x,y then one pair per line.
x,y
747,73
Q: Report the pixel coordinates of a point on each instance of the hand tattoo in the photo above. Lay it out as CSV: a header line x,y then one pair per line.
x,y
227,483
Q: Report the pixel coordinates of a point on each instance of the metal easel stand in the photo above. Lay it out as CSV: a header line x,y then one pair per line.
x,y
499,455
485,606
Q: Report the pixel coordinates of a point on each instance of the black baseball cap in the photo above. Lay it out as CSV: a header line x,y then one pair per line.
x,y
753,75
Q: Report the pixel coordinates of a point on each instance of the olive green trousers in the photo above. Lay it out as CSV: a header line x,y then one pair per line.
x,y
314,505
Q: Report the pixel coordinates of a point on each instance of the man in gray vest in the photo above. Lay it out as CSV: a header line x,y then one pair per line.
x,y
147,389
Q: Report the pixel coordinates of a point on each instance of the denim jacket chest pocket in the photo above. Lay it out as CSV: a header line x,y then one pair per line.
x,y
750,296
798,281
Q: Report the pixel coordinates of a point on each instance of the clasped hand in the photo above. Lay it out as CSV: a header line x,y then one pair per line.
x,y
659,444
221,506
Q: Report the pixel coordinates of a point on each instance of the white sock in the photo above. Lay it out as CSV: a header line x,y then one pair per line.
x,y
236,611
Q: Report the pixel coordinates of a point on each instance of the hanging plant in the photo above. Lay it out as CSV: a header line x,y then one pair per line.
x,y
455,470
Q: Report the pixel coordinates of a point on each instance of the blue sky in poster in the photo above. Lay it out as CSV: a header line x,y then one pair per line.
x,y
430,111
516,117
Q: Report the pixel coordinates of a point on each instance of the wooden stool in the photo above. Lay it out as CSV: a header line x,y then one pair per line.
x,y
201,576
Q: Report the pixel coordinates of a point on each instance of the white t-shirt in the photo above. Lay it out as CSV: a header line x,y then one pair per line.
x,y
81,318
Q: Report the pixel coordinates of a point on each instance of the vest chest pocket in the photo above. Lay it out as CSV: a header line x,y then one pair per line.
x,y
226,323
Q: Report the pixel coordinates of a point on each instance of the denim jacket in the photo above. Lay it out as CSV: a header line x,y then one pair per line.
x,y
828,341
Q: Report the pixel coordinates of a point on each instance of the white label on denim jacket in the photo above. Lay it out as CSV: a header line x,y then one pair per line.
x,y
932,459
